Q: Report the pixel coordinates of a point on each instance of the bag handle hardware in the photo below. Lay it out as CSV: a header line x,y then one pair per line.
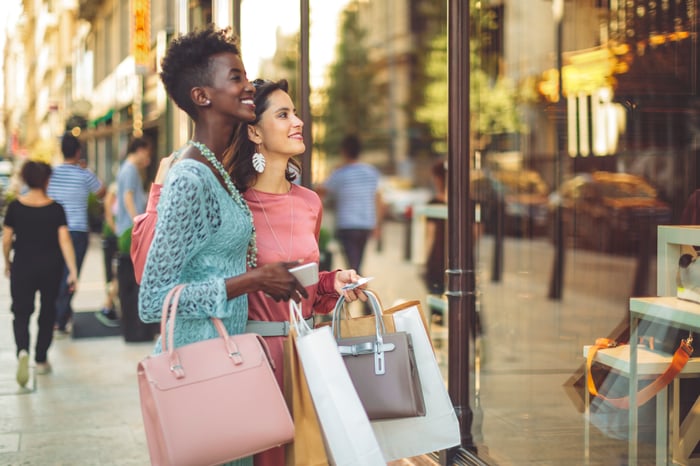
x,y
167,328
379,347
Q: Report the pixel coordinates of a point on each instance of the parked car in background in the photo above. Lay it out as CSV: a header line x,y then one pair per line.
x,y
609,212
518,197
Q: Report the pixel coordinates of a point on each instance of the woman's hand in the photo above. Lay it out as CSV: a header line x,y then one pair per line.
x,y
276,281
347,277
72,281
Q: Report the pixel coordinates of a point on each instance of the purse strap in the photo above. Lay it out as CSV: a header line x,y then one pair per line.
x,y
167,322
680,359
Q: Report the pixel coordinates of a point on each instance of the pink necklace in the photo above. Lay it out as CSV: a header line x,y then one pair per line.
x,y
288,252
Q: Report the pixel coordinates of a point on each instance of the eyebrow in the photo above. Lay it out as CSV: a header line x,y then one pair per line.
x,y
285,109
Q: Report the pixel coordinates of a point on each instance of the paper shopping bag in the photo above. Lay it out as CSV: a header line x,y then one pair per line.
x,y
439,428
307,449
349,437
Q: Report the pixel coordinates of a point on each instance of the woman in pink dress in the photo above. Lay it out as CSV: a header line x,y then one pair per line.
x,y
287,219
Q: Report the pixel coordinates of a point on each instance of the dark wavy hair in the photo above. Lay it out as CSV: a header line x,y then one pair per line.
x,y
186,63
239,159
36,174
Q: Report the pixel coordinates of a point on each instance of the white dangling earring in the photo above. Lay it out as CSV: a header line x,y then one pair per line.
x,y
258,162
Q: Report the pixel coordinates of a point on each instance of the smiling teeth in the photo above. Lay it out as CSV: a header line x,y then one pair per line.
x,y
247,101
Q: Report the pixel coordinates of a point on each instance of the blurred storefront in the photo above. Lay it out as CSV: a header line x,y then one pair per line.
x,y
559,90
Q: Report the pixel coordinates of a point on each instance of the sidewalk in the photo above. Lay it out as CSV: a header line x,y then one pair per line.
x,y
87,411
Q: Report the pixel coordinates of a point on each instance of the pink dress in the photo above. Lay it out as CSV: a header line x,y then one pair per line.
x,y
287,227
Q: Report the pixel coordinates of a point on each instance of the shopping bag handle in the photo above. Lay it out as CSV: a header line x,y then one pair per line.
x,y
680,359
378,347
374,305
167,331
296,318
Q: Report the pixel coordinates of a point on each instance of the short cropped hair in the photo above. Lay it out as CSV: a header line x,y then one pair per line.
x,y
351,146
36,174
136,144
186,63
70,146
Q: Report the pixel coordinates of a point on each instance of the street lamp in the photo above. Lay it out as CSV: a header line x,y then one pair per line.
x,y
557,281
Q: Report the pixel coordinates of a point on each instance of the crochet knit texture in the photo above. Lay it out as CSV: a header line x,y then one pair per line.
x,y
201,239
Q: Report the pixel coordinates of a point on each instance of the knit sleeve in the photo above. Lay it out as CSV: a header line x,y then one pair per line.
x,y
188,215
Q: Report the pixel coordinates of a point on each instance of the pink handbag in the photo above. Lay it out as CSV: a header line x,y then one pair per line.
x,y
212,401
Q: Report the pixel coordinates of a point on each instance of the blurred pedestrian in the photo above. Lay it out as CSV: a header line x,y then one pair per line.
x,y
70,185
204,235
131,201
435,231
108,314
35,226
287,219
354,187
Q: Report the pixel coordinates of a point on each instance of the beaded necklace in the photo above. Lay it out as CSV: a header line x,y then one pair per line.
x,y
251,258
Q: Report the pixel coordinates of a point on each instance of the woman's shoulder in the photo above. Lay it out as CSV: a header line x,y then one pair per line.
x,y
189,172
306,194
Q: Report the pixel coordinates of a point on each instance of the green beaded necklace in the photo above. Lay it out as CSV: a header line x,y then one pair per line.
x,y
252,254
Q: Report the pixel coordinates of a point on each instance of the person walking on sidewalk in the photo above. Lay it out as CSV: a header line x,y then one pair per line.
x,y
287,220
354,186
204,234
70,185
108,314
131,201
35,227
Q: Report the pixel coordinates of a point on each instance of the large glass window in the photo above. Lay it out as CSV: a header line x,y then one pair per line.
x,y
584,140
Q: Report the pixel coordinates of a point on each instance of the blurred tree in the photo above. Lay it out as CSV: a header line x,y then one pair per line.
x,y
493,97
350,94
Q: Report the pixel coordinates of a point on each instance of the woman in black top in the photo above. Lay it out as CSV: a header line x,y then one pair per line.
x,y
35,227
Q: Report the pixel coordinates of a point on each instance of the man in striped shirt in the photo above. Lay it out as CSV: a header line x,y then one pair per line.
x,y
354,186
70,185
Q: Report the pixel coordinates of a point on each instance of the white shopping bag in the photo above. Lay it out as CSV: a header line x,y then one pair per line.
x,y
348,434
439,428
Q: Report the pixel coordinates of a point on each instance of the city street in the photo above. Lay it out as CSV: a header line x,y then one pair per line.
x,y
87,411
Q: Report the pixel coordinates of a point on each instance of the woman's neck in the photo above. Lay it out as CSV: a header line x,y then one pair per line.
x,y
216,139
273,179
35,196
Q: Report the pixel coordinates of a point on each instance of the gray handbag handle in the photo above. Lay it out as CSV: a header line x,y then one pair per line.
x,y
378,347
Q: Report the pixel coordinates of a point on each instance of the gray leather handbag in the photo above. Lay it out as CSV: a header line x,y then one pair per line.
x,y
382,367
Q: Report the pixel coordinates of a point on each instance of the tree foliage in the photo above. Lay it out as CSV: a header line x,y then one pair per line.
x,y
493,97
350,94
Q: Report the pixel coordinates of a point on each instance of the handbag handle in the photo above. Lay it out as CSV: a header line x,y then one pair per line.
x,y
378,347
375,306
167,322
680,359
296,318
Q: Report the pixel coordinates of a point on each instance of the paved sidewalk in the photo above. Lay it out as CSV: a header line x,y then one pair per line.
x,y
87,411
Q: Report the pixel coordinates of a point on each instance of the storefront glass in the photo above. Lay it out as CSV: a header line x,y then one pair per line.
x,y
584,134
